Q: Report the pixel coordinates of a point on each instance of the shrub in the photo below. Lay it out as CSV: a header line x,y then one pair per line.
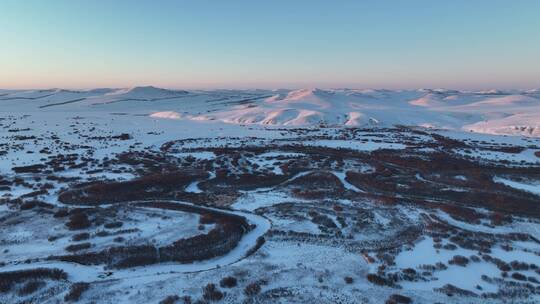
x,y
7,279
75,291
34,203
451,290
61,213
397,298
449,246
337,208
502,265
252,289
498,218
211,293
170,299
376,279
474,258
113,225
35,194
459,260
103,233
29,169
31,287
409,271
228,282
518,276
207,218
323,220
123,136
260,241
80,237
78,221
533,280
519,265
77,247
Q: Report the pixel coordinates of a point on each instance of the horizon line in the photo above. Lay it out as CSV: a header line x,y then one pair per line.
x,y
276,88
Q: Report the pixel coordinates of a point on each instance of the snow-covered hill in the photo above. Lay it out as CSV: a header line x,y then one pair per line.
x,y
494,111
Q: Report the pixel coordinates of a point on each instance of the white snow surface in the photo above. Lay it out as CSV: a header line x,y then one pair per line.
x,y
492,112
529,187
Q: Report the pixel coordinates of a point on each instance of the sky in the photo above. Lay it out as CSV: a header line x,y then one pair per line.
x,y
480,44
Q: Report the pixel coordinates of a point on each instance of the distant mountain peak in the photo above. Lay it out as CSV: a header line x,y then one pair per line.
x,y
145,91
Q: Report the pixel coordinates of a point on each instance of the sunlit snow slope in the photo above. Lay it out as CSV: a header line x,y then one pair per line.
x,y
494,112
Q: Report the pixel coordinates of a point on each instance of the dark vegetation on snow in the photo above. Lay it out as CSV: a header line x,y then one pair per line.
x,y
442,178
226,234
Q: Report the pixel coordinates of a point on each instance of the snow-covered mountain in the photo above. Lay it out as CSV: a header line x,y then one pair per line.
x,y
493,111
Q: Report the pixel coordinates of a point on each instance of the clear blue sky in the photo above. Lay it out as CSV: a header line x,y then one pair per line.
x,y
277,43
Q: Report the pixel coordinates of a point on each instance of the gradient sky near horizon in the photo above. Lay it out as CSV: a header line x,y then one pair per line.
x,y
464,44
